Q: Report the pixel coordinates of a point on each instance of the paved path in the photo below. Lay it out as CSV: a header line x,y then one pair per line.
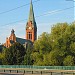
x,y
20,71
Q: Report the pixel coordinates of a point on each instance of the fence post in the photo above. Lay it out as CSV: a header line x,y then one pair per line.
x,y
24,71
41,72
10,71
4,70
51,73
61,73
73,73
17,71
32,72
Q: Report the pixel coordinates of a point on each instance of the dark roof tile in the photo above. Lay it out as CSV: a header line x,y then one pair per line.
x,y
22,41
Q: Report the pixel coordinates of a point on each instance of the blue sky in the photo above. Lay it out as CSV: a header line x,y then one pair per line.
x,y
41,7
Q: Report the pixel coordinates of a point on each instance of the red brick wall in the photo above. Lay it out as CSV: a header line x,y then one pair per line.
x,y
29,24
7,43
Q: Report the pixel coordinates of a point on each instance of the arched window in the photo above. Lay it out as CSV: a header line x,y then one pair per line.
x,y
30,35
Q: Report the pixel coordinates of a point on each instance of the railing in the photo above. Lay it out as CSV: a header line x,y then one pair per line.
x,y
40,70
39,67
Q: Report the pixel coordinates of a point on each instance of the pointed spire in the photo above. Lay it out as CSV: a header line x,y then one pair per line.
x,y
31,1
31,13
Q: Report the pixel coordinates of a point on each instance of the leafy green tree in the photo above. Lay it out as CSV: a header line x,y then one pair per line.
x,y
43,43
63,39
54,48
1,57
72,48
14,55
54,58
41,46
27,57
68,61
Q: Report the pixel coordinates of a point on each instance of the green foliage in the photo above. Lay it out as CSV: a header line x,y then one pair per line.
x,y
1,57
56,48
69,60
27,57
42,46
14,55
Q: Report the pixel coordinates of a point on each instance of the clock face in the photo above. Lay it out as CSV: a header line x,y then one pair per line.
x,y
30,28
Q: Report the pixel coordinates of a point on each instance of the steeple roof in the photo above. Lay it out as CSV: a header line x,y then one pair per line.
x,y
31,14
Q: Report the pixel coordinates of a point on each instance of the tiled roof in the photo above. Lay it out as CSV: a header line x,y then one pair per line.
x,y
22,41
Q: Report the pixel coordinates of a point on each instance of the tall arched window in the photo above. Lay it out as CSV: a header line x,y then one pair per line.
x,y
30,35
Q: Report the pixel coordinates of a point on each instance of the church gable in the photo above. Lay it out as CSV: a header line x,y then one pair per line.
x,y
31,31
10,40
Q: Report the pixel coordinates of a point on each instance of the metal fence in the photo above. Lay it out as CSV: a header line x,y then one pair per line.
x,y
39,67
36,70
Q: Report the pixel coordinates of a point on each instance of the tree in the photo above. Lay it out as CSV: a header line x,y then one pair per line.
x,y
54,58
68,61
14,55
72,48
27,58
63,36
41,46
55,48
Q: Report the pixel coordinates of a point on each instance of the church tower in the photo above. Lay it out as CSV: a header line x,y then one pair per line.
x,y
31,28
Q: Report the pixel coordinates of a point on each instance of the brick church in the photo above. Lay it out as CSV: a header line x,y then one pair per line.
x,y
31,31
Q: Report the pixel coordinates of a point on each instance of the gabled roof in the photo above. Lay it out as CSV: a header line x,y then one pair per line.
x,y
22,41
